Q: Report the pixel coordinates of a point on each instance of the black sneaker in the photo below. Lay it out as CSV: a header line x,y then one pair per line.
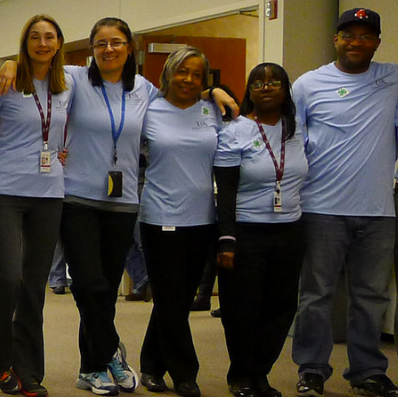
x,y
376,386
9,382
310,385
31,387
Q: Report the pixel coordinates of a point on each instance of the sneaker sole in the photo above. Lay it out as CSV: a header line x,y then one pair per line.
x,y
82,384
310,393
33,394
130,389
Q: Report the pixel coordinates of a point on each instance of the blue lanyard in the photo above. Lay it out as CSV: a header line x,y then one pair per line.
x,y
115,134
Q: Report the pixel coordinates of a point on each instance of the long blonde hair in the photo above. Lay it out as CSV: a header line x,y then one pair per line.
x,y
24,72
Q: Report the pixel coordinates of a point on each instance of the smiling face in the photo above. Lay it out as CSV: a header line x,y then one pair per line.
x,y
42,43
186,84
269,97
355,45
111,50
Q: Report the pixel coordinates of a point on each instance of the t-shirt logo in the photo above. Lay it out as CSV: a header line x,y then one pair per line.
x,y
256,144
342,92
205,111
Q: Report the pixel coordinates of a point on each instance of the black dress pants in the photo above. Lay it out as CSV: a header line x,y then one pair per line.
x,y
29,228
96,244
175,262
258,298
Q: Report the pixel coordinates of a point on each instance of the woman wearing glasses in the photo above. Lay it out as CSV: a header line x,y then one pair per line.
x,y
259,166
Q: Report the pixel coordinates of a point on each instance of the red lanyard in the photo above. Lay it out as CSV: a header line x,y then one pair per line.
x,y
281,167
45,122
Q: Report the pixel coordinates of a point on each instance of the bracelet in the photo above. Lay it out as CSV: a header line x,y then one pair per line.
x,y
211,92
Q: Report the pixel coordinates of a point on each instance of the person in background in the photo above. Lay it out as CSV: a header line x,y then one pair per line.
x,y
177,216
202,301
347,110
57,279
32,121
135,261
260,167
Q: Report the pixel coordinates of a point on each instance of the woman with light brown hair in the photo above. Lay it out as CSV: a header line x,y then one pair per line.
x,y
32,121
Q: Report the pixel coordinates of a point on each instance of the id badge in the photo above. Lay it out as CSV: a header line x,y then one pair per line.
x,y
115,184
45,161
277,199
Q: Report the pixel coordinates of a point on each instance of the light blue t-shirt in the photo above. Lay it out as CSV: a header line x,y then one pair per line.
x,y
90,142
181,145
351,142
241,144
21,142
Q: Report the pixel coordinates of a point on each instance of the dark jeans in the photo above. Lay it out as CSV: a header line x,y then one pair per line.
x,y
258,298
28,233
175,262
96,243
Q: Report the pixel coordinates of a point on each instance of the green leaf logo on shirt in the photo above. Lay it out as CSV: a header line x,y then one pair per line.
x,y
205,111
256,144
342,92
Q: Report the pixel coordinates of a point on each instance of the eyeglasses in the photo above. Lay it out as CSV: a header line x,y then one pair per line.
x,y
272,85
103,45
363,38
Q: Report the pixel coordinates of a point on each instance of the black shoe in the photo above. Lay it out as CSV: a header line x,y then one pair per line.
x,y
187,389
153,383
241,391
144,294
9,382
200,305
310,385
32,388
376,385
263,389
59,290
216,313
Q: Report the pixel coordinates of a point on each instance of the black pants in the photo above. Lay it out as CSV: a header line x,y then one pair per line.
x,y
175,262
29,229
258,298
96,244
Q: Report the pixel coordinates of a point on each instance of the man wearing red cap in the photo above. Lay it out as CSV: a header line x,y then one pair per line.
x,y
347,109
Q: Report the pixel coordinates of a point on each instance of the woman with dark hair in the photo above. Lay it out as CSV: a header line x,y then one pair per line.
x,y
32,121
101,202
177,216
259,167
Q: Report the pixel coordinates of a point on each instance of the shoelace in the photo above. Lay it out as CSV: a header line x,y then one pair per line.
x,y
102,376
118,368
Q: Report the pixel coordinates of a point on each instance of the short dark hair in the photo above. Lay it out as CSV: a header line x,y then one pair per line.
x,y
288,106
129,69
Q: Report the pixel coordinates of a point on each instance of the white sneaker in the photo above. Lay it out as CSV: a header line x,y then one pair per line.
x,y
123,375
98,383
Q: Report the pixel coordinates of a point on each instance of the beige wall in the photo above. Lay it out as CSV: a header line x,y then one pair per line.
x,y
76,17
388,10
234,26
308,35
